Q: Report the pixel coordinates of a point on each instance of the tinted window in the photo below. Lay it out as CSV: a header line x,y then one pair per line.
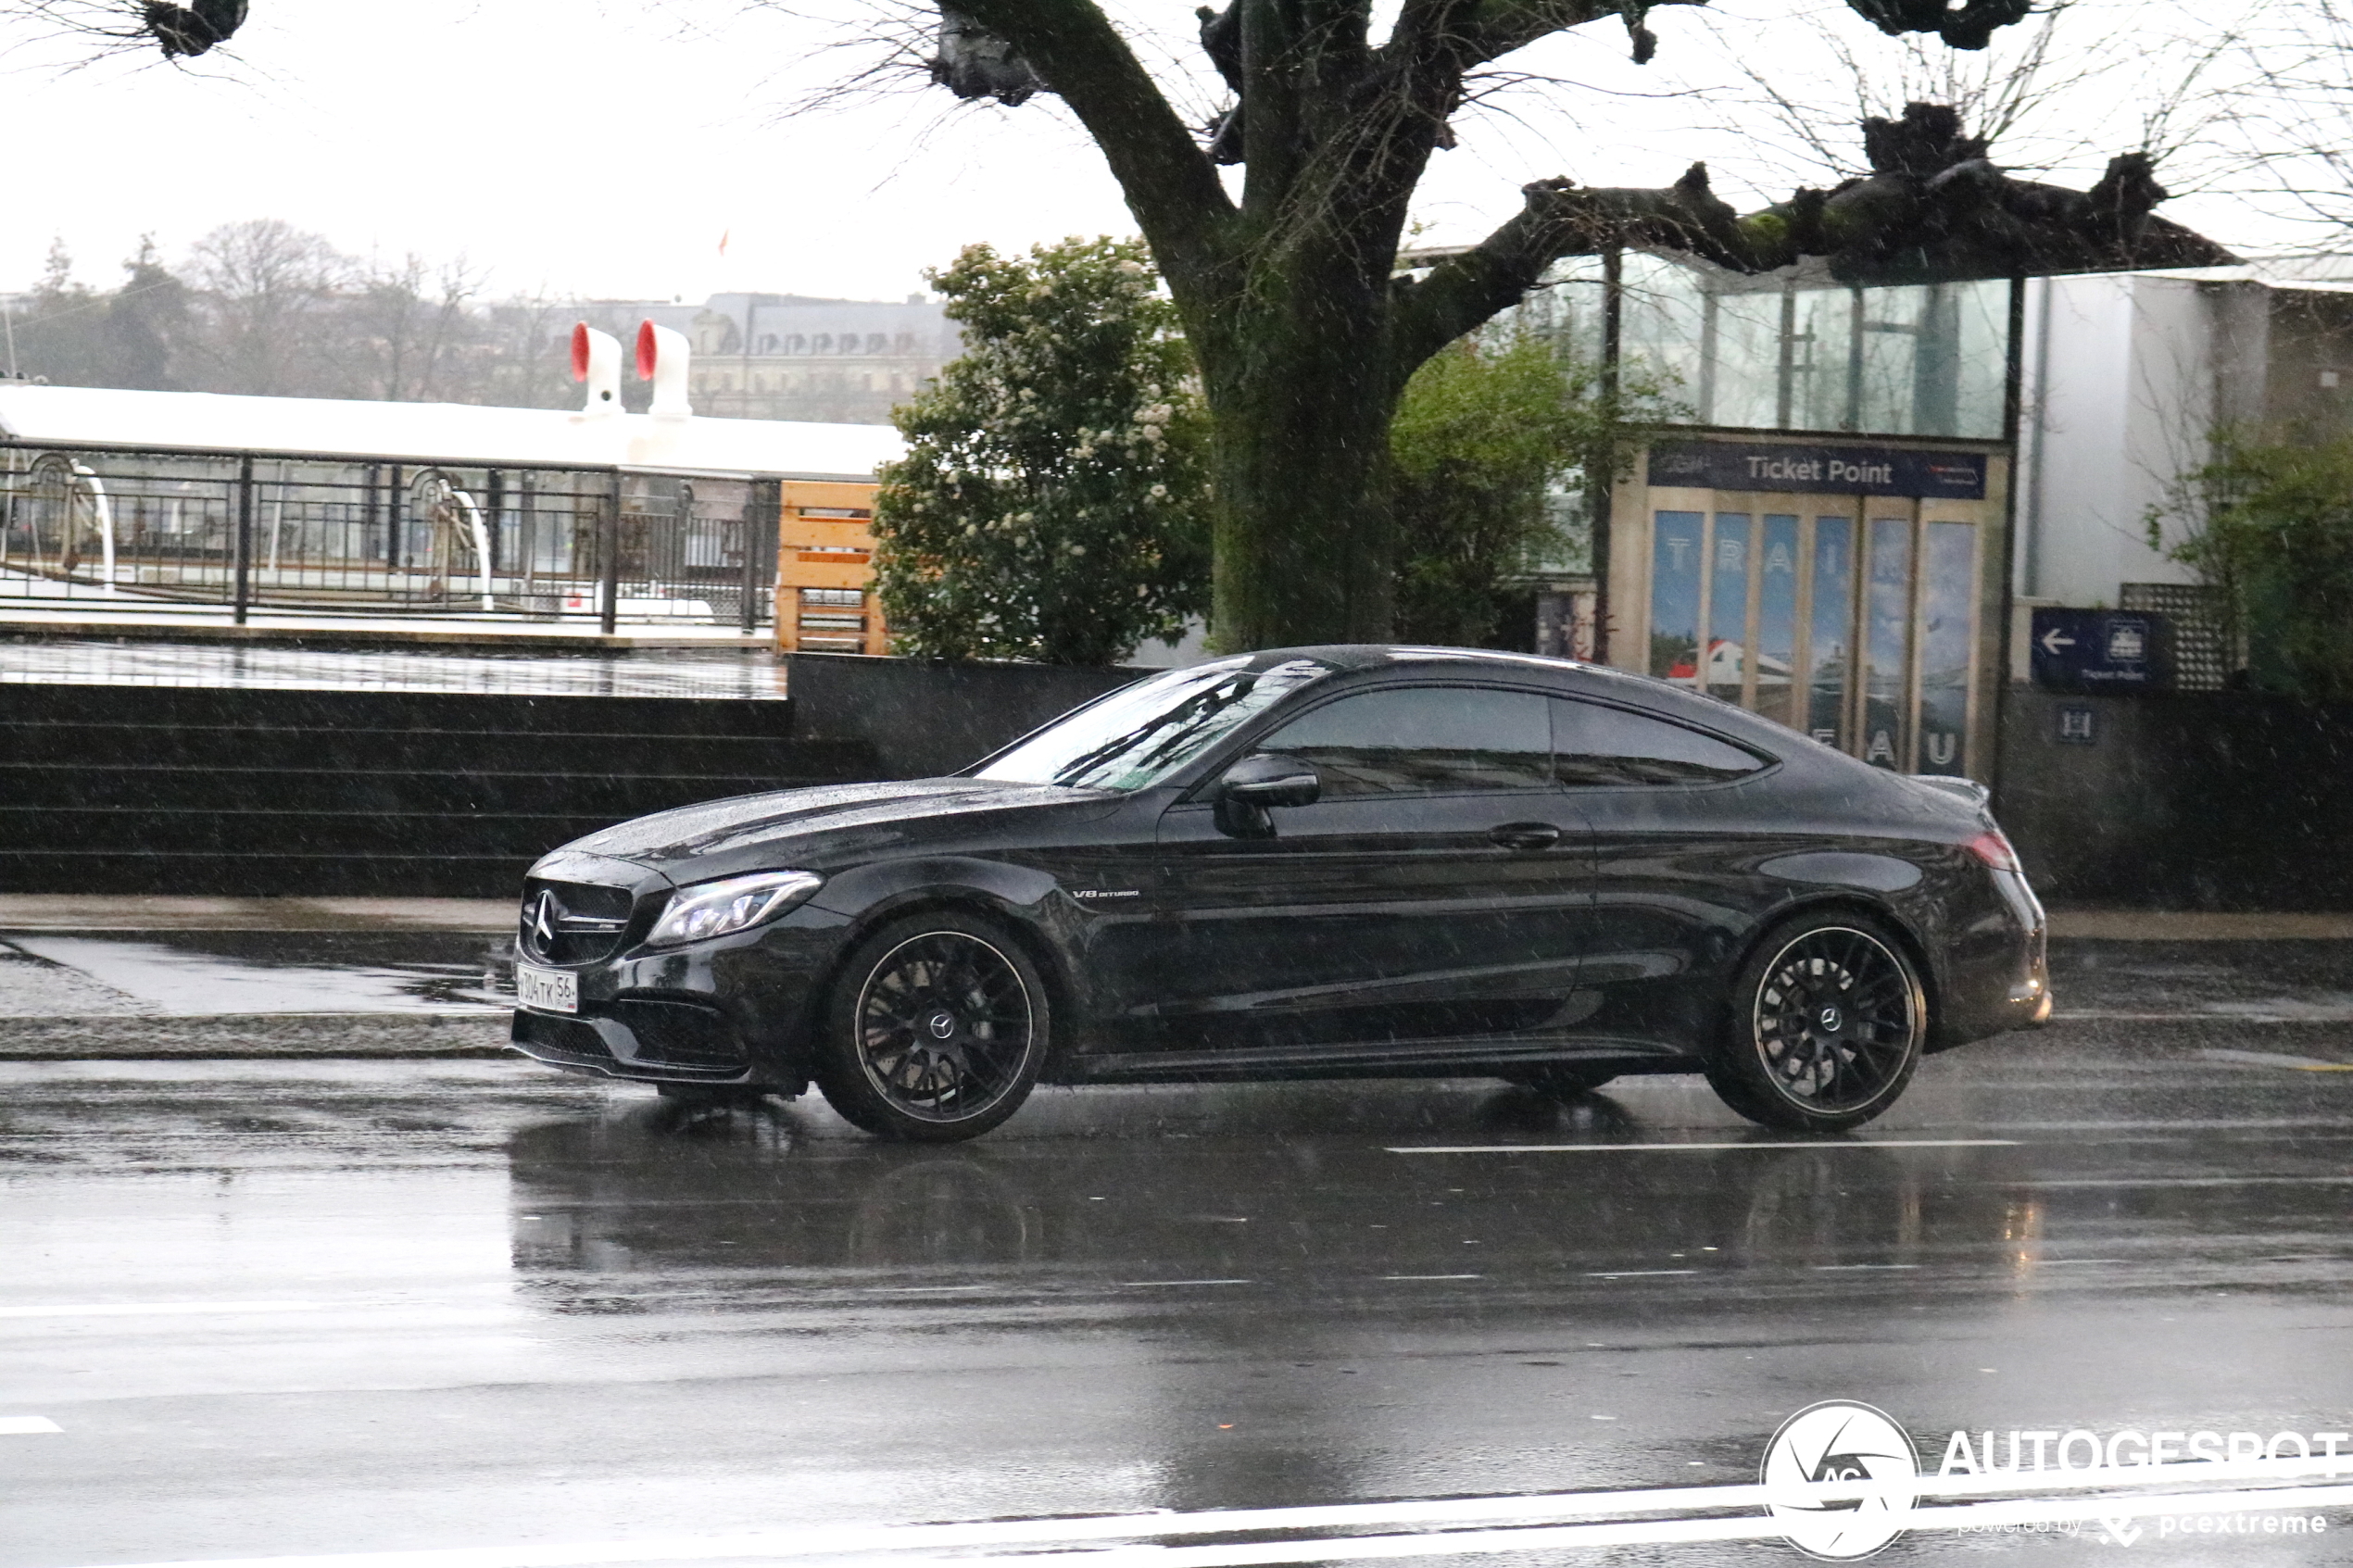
x,y
1423,740
1592,744
1139,735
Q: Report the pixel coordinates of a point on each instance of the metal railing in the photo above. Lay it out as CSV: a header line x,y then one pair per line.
x,y
160,532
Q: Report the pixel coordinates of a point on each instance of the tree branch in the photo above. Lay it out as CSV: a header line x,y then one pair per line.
x,y
1466,33
1558,217
1933,210
1170,184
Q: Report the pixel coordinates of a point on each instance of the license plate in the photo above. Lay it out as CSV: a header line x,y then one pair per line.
x,y
549,990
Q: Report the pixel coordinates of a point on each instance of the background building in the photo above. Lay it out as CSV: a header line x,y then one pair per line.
x,y
788,356
336,328
2126,375
1823,539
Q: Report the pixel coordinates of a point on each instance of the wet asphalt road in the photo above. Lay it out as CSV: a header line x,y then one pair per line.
x,y
319,1307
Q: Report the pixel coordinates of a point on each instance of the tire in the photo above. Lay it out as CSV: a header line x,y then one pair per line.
x,y
935,1030
1564,1080
1824,1026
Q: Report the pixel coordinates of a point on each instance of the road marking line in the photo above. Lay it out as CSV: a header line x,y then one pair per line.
x,y
1833,1268
1489,1512
2273,1059
1634,1274
27,1426
1394,1277
2091,1016
1141,1282
157,1309
917,1289
1465,1543
1691,1148
2186,1182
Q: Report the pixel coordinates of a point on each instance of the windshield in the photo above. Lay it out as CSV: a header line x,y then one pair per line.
x,y
1138,737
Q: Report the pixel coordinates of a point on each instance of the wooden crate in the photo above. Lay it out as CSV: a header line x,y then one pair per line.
x,y
826,599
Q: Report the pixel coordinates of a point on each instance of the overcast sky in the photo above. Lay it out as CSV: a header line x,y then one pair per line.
x,y
604,149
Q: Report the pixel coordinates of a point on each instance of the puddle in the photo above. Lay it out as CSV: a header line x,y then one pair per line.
x,y
198,974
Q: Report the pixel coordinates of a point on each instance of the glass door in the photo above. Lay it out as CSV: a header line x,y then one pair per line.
x,y
1852,621
1948,641
1776,661
1887,635
1830,627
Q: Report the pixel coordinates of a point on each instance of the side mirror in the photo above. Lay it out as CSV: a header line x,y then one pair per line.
x,y
1267,779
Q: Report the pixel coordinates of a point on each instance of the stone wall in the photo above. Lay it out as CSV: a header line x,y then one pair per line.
x,y
2219,800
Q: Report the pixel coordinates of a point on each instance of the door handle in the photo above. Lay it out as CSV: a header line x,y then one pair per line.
x,y
1525,836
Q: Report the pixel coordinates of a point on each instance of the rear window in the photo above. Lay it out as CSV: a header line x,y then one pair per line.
x,y
1593,746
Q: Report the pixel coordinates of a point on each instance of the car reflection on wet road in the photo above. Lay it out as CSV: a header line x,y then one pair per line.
x,y
282,1308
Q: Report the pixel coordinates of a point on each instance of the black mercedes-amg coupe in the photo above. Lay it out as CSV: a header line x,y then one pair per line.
x,y
1312,862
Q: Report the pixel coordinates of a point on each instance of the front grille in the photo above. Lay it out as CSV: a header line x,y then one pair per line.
x,y
571,922
680,1034
560,1037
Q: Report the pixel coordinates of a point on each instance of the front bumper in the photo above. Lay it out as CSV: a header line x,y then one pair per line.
x,y
737,1009
660,1040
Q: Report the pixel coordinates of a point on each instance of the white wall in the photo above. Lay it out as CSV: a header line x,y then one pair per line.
x,y
2119,395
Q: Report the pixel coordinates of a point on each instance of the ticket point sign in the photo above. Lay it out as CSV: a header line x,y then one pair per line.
x,y
2100,650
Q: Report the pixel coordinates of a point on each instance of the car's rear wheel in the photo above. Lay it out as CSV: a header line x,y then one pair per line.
x,y
1827,1020
935,1031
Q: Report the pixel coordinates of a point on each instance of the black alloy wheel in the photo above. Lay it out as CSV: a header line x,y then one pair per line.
x,y
935,1032
1826,1021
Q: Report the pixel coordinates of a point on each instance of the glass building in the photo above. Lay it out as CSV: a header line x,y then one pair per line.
x,y
1820,535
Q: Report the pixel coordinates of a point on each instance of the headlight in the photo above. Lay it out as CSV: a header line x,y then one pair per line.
x,y
717,908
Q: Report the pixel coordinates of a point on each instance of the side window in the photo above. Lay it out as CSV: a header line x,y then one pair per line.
x,y
1593,745
1423,740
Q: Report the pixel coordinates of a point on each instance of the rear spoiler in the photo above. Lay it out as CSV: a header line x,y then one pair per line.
x,y
1968,789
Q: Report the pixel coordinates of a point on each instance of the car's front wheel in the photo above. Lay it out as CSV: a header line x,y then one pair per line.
x,y
935,1031
1825,1026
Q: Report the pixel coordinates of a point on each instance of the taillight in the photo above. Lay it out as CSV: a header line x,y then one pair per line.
x,y
1994,849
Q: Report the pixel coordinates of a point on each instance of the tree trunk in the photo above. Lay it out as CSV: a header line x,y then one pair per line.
x,y
1300,405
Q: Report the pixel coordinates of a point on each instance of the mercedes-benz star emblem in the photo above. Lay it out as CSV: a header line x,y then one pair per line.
x,y
542,920
1831,1018
941,1025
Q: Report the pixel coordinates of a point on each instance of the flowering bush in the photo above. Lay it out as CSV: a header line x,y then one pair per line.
x,y
1054,501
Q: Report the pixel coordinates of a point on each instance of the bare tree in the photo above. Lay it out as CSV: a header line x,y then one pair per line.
x,y
266,287
2295,124
1305,333
410,331
2035,91
100,28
